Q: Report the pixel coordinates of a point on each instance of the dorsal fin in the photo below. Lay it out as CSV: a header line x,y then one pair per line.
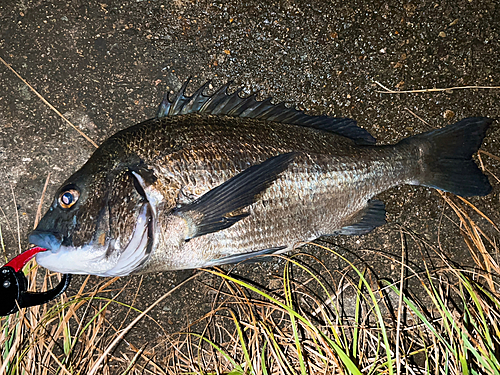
x,y
223,103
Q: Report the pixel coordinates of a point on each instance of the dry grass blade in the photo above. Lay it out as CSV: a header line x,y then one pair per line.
x,y
479,212
48,104
96,366
417,116
489,154
40,204
389,91
473,237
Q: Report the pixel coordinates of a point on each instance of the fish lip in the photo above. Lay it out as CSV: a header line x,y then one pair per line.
x,y
48,240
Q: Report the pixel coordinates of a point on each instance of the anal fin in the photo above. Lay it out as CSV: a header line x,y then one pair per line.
x,y
372,216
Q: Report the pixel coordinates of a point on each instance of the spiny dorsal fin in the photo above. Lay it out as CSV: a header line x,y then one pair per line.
x,y
223,103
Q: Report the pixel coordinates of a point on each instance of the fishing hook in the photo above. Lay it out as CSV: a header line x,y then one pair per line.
x,y
14,285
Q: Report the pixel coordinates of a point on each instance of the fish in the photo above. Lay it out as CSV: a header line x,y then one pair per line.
x,y
221,179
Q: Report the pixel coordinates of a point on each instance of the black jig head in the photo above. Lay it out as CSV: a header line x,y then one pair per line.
x,y
14,285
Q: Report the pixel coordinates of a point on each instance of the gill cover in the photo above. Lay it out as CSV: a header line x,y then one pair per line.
x,y
106,232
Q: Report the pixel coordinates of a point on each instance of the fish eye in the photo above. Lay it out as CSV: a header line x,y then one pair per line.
x,y
68,198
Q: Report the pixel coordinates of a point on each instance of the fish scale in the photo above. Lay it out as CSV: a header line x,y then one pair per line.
x,y
218,179
304,200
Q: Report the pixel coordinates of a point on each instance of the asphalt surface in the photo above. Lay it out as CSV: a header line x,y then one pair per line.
x,y
105,65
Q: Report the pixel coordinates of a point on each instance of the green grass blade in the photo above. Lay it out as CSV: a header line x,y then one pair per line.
x,y
243,343
357,324
263,359
344,357
228,358
289,302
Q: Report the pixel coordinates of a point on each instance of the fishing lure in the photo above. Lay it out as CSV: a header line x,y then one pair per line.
x,y
14,285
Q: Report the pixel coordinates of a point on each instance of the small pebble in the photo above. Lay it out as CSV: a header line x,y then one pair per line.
x,y
448,115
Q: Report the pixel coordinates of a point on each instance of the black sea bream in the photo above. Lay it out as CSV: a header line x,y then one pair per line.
x,y
219,179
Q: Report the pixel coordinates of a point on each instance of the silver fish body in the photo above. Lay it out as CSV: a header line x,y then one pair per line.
x,y
219,179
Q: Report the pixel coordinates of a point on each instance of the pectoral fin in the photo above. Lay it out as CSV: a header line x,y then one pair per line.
x,y
220,208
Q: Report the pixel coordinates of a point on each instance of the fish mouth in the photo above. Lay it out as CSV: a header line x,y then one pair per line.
x,y
47,240
95,258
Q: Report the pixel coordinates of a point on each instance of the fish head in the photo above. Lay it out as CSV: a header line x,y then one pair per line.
x,y
100,223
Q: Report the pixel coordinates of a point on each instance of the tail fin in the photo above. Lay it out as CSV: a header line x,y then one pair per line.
x,y
447,157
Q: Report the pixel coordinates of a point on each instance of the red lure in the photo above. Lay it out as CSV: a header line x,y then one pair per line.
x,y
14,285
20,261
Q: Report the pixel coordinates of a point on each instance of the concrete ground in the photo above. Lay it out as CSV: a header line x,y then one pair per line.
x,y
105,65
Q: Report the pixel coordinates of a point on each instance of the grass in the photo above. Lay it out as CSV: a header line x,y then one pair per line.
x,y
389,91
452,329
317,321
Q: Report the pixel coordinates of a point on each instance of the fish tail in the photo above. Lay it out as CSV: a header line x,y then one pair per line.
x,y
446,157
